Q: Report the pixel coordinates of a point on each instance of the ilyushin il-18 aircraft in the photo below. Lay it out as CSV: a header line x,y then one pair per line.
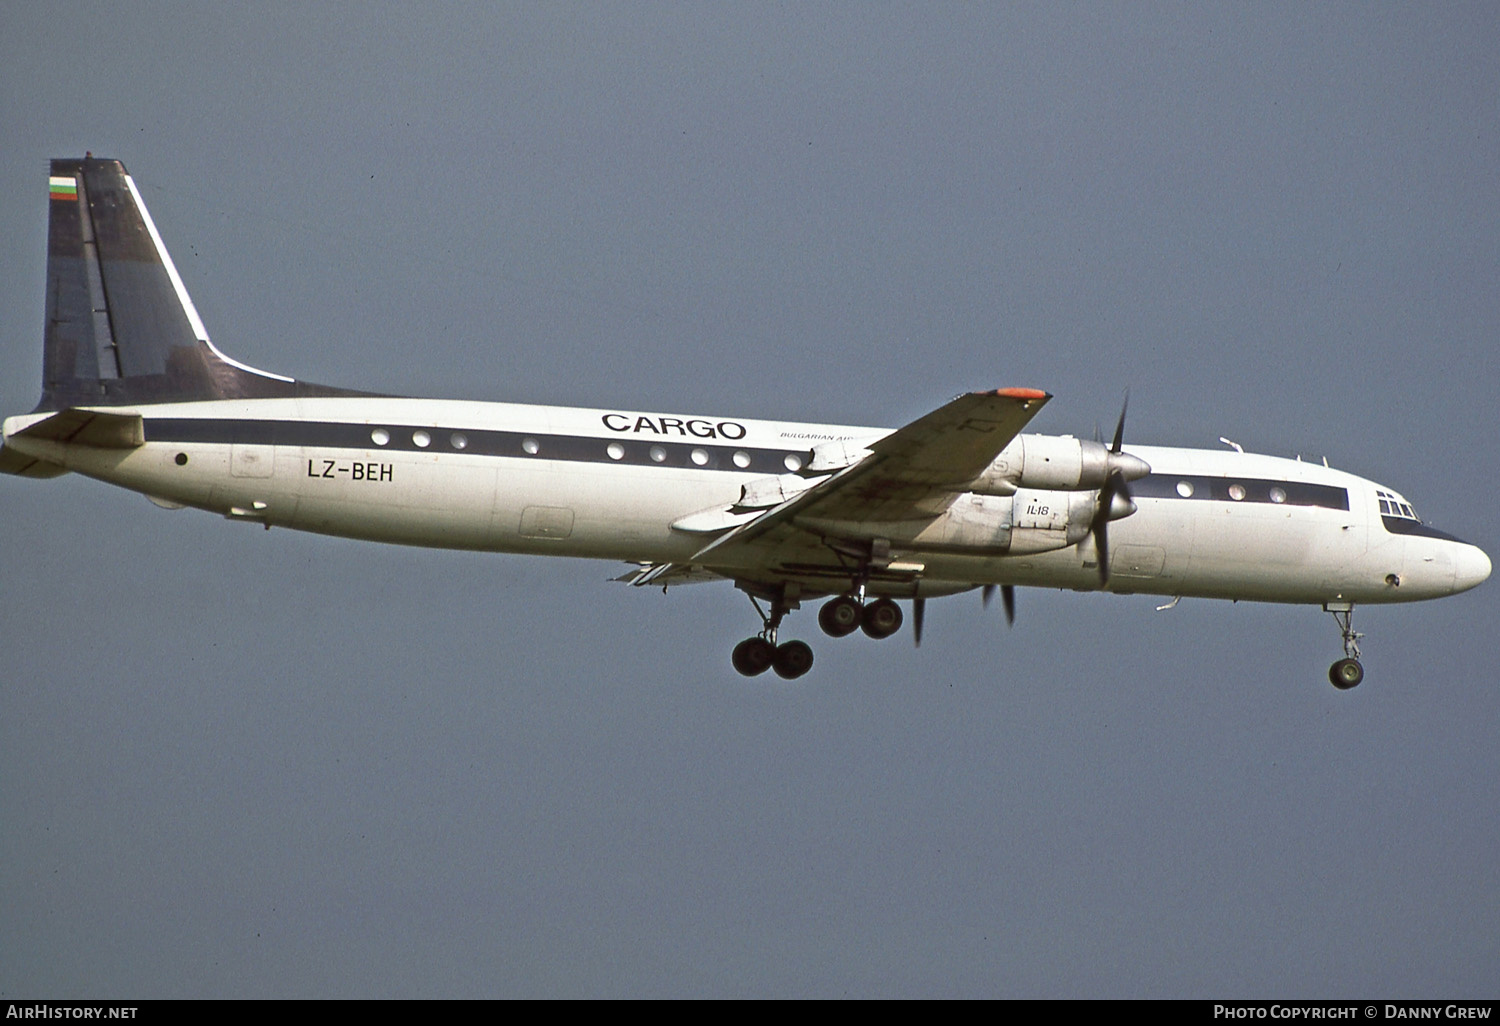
x,y
134,393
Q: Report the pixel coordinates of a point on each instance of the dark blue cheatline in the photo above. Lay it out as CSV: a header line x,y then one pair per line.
x,y
696,455
1239,489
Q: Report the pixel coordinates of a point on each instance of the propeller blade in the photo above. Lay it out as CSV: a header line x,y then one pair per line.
x,y
1007,599
918,611
1101,549
1114,485
1120,426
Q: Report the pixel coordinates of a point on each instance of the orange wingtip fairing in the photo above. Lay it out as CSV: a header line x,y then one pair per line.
x,y
1021,393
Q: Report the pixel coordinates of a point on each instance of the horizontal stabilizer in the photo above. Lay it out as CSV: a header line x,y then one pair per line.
x,y
90,427
665,574
12,462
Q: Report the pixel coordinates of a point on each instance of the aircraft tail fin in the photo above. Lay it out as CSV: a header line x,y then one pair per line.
x,y
121,329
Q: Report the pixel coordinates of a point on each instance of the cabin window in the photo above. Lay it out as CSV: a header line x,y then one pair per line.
x,y
458,440
741,458
793,462
531,446
699,456
1248,490
658,454
380,436
421,439
616,451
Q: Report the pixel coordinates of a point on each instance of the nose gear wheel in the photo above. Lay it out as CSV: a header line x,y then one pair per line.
x,y
1345,674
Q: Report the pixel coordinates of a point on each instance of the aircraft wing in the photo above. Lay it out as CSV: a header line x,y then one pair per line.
x,y
914,473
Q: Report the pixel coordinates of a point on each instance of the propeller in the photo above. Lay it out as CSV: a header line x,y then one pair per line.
x,y
918,611
1007,599
1120,425
1114,500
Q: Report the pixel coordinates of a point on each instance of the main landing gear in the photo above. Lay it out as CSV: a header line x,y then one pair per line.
x,y
845,614
839,617
756,655
1347,672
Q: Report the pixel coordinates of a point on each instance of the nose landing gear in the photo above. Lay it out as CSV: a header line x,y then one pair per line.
x,y
1347,672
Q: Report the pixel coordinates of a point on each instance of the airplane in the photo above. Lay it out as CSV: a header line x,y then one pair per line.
x,y
134,393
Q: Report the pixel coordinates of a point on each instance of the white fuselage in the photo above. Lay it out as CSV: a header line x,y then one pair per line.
x,y
609,484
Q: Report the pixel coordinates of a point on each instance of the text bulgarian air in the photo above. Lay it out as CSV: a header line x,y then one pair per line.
x,y
697,427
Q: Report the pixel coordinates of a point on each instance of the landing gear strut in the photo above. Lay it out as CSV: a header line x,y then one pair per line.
x,y
1347,672
756,655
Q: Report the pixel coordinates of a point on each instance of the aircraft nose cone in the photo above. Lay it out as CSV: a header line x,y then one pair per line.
x,y
1470,567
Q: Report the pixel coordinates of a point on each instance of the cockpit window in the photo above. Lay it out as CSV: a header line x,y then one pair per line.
x,y
1399,518
1392,505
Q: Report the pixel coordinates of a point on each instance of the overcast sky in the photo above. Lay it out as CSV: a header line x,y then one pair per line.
x,y
246,763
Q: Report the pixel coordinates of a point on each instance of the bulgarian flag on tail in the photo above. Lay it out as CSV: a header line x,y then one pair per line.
x,y
62,188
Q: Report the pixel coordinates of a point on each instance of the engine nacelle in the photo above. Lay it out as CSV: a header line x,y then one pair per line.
x,y
1031,520
1053,462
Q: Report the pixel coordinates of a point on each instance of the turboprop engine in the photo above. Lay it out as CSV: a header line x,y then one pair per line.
x,y
1041,493
1059,463
1067,464
1031,520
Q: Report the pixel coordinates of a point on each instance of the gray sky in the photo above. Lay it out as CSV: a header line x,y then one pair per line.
x,y
247,763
